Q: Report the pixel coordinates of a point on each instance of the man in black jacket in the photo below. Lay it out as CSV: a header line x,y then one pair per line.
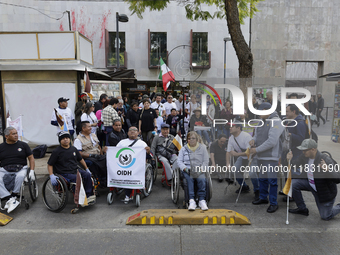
x,y
320,105
319,177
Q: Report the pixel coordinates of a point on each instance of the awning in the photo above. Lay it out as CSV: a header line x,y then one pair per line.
x,y
331,76
49,66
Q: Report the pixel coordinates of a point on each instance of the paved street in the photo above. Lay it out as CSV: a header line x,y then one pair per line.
x,y
101,229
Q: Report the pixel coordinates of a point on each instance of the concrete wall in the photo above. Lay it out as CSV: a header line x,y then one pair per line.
x,y
91,18
299,30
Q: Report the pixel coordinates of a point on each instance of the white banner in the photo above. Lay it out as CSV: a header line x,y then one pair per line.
x,y
126,167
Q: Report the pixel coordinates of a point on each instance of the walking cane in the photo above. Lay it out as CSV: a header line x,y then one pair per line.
x,y
250,158
230,181
287,188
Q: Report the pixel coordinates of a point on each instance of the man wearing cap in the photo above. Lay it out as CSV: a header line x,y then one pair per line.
x,y
237,145
64,112
64,161
268,146
80,105
319,177
164,149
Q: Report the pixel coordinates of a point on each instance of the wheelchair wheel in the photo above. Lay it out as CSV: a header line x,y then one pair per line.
x,y
33,188
148,180
55,197
155,170
110,198
175,186
208,187
138,200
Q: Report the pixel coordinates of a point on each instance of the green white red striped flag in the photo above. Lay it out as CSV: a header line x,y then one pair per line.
x,y
166,75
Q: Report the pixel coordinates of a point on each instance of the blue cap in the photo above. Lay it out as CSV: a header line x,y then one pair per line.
x,y
165,126
265,106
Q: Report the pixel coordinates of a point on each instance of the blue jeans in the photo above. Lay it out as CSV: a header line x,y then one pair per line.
x,y
326,210
268,180
205,134
252,173
200,186
87,181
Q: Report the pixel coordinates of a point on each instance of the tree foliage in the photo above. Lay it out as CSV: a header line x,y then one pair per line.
x,y
194,9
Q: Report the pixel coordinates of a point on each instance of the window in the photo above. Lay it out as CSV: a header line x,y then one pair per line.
x,y
157,48
200,56
111,49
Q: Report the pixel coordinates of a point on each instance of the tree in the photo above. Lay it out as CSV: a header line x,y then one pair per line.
x,y
235,11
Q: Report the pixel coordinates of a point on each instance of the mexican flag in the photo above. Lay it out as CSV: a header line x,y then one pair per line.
x,y
166,75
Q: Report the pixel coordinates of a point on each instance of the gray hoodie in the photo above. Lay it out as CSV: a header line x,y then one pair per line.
x,y
191,160
267,138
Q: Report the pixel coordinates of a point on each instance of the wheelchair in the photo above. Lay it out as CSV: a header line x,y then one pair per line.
x,y
56,197
179,180
149,179
32,188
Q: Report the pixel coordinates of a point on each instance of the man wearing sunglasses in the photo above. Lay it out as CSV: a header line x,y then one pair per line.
x,y
169,105
319,175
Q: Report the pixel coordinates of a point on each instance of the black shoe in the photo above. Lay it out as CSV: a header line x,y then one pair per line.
x,y
272,208
245,189
299,211
257,195
259,201
281,193
228,180
220,179
285,199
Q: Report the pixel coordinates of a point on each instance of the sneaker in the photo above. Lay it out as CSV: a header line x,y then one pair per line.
x,y
9,201
12,205
203,205
126,200
192,205
91,199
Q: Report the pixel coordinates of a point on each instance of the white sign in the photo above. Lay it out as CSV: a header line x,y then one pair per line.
x,y
126,167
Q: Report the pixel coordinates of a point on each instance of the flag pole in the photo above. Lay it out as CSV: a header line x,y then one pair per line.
x,y
287,220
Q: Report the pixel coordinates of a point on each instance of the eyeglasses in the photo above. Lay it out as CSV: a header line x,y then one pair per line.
x,y
134,130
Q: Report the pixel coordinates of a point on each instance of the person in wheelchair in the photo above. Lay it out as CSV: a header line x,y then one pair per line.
x,y
131,141
64,161
164,149
88,146
117,133
13,158
192,160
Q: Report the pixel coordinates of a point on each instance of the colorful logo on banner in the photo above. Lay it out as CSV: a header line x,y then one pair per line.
x,y
210,94
126,158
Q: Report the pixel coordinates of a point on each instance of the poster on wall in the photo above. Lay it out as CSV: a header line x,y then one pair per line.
x,y
110,88
336,115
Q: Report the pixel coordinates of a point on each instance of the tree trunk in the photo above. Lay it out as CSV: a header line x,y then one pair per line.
x,y
243,52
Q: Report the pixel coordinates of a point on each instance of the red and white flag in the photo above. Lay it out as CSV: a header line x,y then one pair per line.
x,y
166,75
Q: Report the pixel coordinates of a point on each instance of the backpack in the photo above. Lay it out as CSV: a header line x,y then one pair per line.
x,y
39,151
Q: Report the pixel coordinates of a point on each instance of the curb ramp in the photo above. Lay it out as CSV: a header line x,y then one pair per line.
x,y
4,219
185,217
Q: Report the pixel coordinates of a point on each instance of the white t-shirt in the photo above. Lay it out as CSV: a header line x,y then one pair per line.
x,y
191,107
168,107
159,106
91,118
159,121
179,105
68,116
243,140
127,142
310,174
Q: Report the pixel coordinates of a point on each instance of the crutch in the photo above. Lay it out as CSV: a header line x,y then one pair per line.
x,y
231,181
287,189
250,158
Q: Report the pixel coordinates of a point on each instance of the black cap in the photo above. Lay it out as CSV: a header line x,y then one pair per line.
x,y
62,99
63,134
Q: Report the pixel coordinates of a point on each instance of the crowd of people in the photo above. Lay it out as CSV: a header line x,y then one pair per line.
x,y
155,120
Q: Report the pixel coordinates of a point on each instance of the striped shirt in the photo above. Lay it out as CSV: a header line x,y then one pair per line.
x,y
108,115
